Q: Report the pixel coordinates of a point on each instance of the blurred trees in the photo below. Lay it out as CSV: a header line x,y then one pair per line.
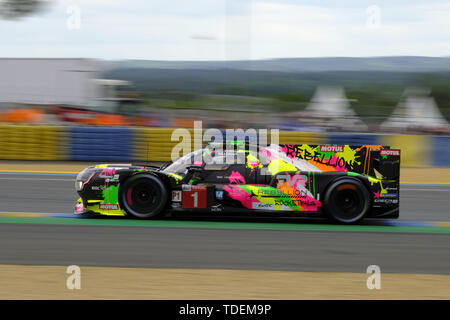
x,y
373,95
292,97
16,9
439,83
374,103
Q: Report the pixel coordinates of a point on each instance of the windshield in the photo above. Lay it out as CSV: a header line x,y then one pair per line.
x,y
180,166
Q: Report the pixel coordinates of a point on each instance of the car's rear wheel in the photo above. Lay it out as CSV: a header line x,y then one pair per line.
x,y
143,196
347,200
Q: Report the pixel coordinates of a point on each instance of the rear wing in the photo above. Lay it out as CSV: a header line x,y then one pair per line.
x,y
373,160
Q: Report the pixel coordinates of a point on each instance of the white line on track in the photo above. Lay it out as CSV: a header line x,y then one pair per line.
x,y
28,179
417,189
34,178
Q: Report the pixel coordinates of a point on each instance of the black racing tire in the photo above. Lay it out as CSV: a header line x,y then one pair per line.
x,y
143,196
347,200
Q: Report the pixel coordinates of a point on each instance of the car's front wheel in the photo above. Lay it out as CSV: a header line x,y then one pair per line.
x,y
143,196
347,200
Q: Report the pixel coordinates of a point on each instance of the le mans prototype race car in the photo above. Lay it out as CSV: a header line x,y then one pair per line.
x,y
341,182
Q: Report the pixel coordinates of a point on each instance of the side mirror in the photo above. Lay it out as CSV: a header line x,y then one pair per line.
x,y
194,169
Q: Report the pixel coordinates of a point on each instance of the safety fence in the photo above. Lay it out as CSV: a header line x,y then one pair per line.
x,y
126,144
100,143
31,142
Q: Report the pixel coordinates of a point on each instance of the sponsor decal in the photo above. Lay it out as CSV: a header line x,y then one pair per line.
x,y
186,187
195,197
390,152
389,195
176,205
263,206
331,148
176,196
217,208
219,194
197,187
109,207
386,201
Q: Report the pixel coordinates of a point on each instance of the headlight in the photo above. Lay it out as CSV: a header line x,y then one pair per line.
x,y
82,178
78,185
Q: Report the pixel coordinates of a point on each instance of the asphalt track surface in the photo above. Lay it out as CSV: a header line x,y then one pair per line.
x,y
55,193
122,245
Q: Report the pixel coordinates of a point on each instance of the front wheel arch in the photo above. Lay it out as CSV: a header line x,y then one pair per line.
x,y
162,201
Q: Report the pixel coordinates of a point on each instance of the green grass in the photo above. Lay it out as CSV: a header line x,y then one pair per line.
x,y
120,222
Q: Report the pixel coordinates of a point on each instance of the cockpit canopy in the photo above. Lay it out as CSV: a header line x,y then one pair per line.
x,y
219,157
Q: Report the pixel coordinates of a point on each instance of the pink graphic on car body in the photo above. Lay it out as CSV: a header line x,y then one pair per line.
x,y
240,195
236,177
107,173
79,207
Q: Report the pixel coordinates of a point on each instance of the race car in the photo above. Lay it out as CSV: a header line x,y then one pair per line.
x,y
343,183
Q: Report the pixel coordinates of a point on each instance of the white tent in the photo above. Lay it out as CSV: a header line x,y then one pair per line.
x,y
416,110
331,104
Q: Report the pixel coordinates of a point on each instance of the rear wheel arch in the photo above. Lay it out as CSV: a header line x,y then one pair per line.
x,y
363,194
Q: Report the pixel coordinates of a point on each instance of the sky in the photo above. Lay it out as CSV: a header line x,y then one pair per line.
x,y
230,29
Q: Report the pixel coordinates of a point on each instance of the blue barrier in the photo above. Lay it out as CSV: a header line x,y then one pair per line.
x,y
100,144
441,151
351,139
